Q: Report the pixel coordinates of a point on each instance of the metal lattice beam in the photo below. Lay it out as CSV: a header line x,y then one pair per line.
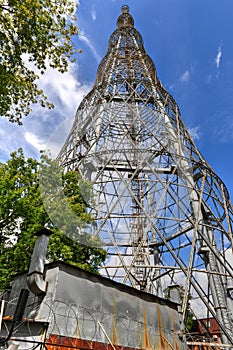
x,y
163,214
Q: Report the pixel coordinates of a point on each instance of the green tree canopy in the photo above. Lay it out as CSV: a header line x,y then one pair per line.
x,y
23,214
41,32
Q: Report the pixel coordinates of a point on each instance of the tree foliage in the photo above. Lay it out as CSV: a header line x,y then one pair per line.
x,y
41,32
23,214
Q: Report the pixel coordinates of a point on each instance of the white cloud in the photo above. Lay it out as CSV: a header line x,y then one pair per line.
x,y
84,38
218,57
93,15
66,92
10,137
62,89
195,133
58,137
224,129
209,79
184,78
34,140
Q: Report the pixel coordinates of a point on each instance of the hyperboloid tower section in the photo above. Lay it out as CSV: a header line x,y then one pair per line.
x,y
161,212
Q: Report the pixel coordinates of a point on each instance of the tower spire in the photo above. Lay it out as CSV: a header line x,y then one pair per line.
x,y
162,213
125,19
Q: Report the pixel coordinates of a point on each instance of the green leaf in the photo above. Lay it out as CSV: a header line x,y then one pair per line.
x,y
43,31
23,214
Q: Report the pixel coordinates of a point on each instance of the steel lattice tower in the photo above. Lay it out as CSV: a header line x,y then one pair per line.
x,y
161,211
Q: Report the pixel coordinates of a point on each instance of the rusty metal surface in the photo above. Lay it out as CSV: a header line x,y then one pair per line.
x,y
90,307
91,312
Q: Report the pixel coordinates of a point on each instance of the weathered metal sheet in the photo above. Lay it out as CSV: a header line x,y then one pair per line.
x,y
87,311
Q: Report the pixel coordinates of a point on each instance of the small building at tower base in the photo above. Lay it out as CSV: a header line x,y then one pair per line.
x,y
82,310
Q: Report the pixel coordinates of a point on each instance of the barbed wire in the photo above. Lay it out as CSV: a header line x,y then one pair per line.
x,y
74,322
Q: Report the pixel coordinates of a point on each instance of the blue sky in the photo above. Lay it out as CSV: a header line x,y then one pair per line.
x,y
190,42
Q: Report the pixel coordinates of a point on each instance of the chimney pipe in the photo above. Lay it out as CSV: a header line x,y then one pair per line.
x,y
35,279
